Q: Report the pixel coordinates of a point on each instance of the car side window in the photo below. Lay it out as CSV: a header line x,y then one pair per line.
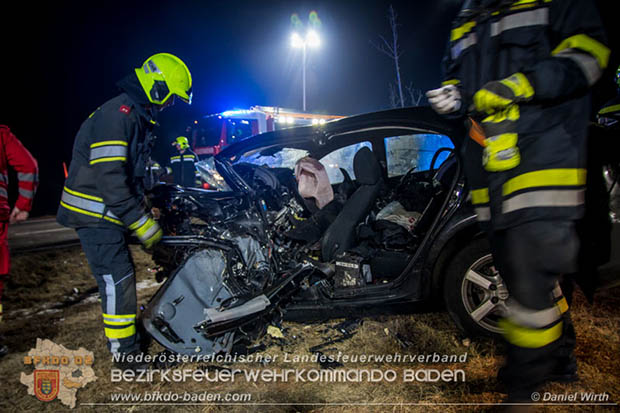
x,y
414,151
342,158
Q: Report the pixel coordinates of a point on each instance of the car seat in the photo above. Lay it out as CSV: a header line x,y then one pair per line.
x,y
340,235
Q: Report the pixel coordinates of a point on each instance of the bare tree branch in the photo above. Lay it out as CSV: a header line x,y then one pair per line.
x,y
387,46
392,50
393,96
384,48
394,25
415,94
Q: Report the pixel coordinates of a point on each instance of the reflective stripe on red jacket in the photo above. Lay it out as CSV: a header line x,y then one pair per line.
x,y
14,154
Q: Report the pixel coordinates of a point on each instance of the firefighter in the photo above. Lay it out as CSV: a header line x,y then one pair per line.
x,y
103,194
182,163
609,114
14,154
523,69
603,194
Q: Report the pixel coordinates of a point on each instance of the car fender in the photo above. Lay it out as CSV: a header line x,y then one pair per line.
x,y
461,228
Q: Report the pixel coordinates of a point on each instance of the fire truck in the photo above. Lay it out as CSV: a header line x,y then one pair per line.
x,y
214,132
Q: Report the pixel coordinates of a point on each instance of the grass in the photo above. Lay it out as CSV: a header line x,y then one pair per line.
x,y
49,277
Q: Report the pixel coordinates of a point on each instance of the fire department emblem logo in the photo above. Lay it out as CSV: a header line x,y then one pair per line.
x,y
46,384
58,372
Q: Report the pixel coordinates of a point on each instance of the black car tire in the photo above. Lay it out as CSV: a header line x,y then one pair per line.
x,y
471,287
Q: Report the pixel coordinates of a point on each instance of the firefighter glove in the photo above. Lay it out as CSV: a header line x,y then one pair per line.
x,y
147,230
446,99
499,94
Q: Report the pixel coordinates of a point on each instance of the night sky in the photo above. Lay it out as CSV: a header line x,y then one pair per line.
x,y
61,60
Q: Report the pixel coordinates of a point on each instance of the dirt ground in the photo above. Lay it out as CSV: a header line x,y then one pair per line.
x,y
50,295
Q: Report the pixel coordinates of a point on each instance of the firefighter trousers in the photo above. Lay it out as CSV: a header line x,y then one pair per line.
x,y
112,266
540,336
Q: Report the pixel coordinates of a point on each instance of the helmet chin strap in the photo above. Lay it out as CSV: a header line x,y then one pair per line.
x,y
153,110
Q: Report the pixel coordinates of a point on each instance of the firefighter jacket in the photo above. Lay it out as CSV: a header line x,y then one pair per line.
x,y
183,170
14,154
559,46
105,185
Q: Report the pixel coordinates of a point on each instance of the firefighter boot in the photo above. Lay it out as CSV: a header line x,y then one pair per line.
x,y
565,370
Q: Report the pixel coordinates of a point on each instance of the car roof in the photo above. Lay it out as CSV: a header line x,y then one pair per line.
x,y
421,119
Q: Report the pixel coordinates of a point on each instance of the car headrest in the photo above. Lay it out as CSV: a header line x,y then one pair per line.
x,y
366,167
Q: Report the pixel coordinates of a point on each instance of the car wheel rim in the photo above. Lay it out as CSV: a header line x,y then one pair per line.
x,y
484,294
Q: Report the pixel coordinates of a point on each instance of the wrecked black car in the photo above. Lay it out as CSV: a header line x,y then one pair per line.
x,y
363,212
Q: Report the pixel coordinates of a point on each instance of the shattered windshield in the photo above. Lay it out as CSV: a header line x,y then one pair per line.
x,y
210,175
275,157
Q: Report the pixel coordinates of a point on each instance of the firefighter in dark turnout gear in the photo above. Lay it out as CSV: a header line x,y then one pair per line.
x,y
182,163
523,69
603,194
609,118
103,193
609,114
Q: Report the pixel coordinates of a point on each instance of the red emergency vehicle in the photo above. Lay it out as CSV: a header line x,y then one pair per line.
x,y
213,133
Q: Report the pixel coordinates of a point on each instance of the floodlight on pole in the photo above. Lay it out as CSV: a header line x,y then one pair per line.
x,y
311,40
296,40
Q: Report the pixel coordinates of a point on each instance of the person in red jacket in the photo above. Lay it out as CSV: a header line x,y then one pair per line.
x,y
14,154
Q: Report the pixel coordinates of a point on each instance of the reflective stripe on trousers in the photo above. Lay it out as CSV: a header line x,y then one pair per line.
x,y
118,302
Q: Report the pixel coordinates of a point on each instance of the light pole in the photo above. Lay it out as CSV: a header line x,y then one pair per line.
x,y
311,40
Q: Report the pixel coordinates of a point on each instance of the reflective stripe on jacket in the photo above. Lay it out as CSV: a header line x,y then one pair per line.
x,y
560,47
